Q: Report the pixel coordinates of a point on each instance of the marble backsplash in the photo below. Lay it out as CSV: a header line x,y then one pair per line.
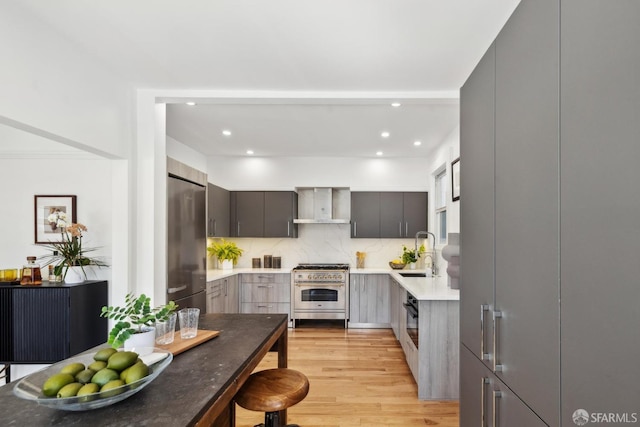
x,y
322,243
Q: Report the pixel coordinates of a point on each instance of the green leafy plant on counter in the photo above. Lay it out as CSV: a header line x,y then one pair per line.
x,y
135,317
410,255
225,250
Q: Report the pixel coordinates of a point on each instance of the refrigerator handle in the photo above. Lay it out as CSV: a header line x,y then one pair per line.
x,y
174,290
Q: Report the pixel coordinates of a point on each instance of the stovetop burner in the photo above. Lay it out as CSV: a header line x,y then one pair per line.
x,y
322,267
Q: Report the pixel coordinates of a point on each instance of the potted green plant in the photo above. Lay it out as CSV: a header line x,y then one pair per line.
x,y
410,256
69,256
135,318
226,252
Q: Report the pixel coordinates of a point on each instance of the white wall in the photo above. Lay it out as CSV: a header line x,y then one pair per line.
x,y
286,173
23,178
49,84
187,155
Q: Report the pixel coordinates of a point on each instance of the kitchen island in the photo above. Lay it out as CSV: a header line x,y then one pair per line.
x,y
197,388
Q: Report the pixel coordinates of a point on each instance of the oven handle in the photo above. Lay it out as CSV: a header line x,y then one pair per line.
x,y
411,310
320,285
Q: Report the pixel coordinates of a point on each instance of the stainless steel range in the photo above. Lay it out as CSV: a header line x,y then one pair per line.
x,y
320,291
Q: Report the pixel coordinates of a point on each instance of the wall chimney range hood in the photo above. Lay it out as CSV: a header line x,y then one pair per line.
x,y
323,205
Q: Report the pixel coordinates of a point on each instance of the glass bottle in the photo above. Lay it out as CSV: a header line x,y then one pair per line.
x,y
31,274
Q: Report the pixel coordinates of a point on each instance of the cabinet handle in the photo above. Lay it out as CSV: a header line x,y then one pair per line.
x,y
265,306
497,394
215,223
265,286
497,366
355,228
225,287
484,308
211,232
238,229
288,231
406,229
400,228
483,402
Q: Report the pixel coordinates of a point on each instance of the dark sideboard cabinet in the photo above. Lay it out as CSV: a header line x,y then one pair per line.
x,y
48,323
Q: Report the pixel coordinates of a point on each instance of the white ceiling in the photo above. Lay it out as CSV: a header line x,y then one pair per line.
x,y
419,50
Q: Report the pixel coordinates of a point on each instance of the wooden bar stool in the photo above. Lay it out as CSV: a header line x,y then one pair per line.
x,y
273,390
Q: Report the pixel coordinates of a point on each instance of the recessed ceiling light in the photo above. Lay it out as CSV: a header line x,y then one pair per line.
x,y
249,151
191,103
417,143
226,132
395,104
385,134
379,153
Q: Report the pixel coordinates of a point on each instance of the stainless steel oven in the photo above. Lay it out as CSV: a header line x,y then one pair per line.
x,y
320,291
413,318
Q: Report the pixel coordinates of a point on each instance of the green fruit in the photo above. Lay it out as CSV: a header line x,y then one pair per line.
x,y
137,371
85,376
72,368
86,390
107,390
122,360
54,383
69,390
97,365
103,376
104,354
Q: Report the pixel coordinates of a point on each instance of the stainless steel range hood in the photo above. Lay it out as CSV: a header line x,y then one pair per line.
x,y
323,205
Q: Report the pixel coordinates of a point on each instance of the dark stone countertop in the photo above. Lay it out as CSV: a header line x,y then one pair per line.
x,y
180,395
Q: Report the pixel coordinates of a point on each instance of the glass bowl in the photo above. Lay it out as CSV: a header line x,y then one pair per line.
x,y
30,387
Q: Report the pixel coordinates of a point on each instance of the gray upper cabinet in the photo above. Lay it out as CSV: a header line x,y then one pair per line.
x,y
388,214
415,207
280,209
526,207
600,209
263,213
365,214
247,213
218,209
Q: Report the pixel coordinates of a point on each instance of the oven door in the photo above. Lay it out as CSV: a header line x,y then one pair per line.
x,y
412,321
320,296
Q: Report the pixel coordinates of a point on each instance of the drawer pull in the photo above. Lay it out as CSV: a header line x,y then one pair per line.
x,y
484,308
497,366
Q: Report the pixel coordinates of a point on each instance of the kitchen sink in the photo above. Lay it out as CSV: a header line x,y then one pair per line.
x,y
413,274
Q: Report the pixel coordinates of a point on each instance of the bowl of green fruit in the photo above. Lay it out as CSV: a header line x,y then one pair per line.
x,y
93,379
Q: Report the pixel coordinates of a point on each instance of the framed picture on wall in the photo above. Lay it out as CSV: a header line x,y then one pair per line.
x,y
455,179
52,214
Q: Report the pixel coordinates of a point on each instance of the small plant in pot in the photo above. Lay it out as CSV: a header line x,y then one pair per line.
x,y
136,317
226,252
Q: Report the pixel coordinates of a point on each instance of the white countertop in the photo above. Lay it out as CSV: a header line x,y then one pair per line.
x,y
215,274
423,288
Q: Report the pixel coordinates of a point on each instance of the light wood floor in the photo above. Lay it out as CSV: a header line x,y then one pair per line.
x,y
358,377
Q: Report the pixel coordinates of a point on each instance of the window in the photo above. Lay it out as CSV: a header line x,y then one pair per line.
x,y
441,205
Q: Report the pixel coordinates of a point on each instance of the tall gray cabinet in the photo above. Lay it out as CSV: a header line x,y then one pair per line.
x,y
549,135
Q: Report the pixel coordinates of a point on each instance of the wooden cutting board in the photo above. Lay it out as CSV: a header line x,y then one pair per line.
x,y
180,346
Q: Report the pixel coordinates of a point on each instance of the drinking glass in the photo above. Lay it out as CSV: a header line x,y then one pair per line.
x,y
165,330
189,322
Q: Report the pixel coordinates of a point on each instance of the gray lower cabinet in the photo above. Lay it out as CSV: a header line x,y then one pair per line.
x,y
223,295
435,362
265,293
486,401
218,210
369,301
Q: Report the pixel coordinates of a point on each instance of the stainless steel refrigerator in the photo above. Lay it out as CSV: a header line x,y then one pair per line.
x,y
187,243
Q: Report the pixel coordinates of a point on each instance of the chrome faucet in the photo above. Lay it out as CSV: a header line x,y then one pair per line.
x,y
434,264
